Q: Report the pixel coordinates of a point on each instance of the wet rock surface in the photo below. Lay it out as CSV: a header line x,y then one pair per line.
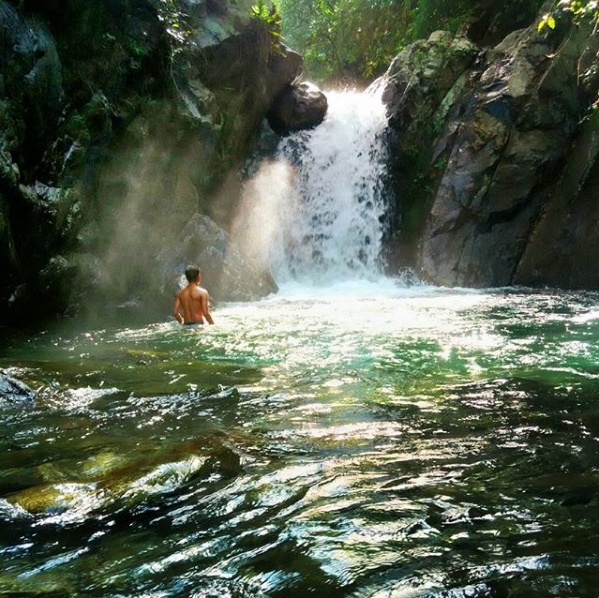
x,y
226,271
486,154
118,122
298,107
13,391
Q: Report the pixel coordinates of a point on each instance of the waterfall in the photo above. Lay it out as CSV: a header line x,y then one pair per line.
x,y
315,213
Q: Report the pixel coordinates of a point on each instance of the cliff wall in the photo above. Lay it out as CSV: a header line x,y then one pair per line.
x,y
120,122
495,157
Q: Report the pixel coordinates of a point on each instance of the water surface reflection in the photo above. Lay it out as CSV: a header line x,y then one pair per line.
x,y
382,443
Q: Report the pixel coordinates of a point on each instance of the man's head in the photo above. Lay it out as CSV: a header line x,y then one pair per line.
x,y
192,273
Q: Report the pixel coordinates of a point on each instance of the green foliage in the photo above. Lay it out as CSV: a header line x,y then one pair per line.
x,y
175,20
546,21
429,15
581,9
585,8
347,39
355,40
267,14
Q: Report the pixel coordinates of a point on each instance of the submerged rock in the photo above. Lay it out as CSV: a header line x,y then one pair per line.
x,y
74,488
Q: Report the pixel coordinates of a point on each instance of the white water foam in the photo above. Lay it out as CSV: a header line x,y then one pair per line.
x,y
315,214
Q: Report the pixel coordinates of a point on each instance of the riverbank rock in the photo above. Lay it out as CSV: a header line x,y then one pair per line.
x,y
13,391
494,166
34,220
298,107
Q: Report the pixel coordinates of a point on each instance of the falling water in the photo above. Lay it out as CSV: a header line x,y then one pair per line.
x,y
316,212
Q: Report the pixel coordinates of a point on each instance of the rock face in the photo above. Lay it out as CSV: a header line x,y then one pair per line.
x,y
226,272
298,107
119,121
495,170
122,122
34,217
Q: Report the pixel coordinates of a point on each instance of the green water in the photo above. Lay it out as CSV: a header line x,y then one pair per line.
x,y
367,441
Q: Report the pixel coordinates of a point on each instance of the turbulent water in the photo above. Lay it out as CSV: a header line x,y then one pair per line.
x,y
354,438
364,441
316,212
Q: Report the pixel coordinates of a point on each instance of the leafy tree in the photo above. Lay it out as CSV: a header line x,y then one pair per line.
x,y
355,40
344,39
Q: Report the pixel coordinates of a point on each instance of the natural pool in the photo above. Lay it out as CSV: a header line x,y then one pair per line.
x,y
367,440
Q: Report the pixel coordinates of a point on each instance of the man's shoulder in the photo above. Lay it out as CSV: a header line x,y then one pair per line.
x,y
197,291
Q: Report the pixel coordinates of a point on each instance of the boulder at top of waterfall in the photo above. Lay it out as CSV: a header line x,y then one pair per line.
x,y
299,106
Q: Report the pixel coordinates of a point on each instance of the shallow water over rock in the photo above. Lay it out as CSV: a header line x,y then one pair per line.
x,y
367,440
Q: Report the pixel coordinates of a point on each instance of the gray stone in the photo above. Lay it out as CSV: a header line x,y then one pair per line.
x,y
13,390
227,273
490,134
300,106
158,120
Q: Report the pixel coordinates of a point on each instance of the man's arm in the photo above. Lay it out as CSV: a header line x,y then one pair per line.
x,y
176,309
206,308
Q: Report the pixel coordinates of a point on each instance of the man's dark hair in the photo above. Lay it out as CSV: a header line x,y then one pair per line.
x,y
191,273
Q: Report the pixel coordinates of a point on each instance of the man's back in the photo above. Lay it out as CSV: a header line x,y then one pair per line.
x,y
192,299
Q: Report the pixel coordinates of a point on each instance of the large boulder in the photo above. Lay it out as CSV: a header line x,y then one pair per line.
x,y
420,89
33,222
118,122
30,87
13,391
226,272
299,106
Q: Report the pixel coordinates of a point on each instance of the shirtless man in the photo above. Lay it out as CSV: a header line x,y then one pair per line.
x,y
193,300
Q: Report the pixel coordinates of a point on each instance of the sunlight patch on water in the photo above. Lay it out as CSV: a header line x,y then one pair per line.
x,y
352,433
80,399
165,478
